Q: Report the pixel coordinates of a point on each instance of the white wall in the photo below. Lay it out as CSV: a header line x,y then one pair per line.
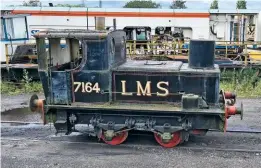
x,y
199,26
59,22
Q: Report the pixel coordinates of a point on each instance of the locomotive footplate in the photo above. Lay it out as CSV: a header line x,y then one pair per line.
x,y
163,120
168,122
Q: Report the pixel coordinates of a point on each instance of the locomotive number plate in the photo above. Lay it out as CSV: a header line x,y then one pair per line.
x,y
87,87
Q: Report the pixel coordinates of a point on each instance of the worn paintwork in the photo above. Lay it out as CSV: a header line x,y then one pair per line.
x,y
110,92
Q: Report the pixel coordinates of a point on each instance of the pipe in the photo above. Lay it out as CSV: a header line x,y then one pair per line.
x,y
243,34
212,31
114,24
87,19
231,31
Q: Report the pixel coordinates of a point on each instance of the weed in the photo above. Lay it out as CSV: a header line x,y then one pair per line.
x,y
27,86
10,88
245,83
26,80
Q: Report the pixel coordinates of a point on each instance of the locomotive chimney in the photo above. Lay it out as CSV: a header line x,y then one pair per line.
x,y
201,54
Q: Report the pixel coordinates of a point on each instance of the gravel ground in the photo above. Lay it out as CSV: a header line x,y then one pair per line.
x,y
37,146
59,154
9,102
211,140
251,117
62,154
12,102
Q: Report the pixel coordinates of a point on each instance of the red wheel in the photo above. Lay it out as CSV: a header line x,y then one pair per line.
x,y
176,139
118,139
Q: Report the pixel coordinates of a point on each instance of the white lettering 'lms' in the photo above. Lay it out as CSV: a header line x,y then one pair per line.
x,y
146,90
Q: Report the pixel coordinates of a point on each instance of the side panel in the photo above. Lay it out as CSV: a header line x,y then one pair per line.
x,y
212,89
91,86
207,87
163,87
44,79
97,55
61,90
190,83
143,86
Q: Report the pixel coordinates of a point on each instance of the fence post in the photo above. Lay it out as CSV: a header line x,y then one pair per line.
x,y
245,55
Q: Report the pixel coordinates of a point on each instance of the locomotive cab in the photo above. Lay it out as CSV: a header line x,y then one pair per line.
x,y
107,95
63,69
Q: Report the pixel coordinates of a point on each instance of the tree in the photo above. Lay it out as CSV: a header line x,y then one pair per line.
x,y
241,4
32,3
141,4
178,4
214,4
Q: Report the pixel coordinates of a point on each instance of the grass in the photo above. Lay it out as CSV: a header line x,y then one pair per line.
x,y
241,82
10,88
244,89
26,86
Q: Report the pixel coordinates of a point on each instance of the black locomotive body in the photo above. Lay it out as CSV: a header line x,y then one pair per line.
x,y
107,95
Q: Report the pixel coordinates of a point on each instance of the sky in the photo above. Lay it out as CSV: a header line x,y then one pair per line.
x,y
191,4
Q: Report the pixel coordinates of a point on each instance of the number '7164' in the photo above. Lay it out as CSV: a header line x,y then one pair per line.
x,y
86,87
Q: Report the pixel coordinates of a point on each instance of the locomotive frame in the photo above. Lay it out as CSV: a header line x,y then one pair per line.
x,y
107,95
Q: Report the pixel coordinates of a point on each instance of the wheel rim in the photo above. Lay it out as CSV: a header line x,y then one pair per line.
x,y
172,143
116,140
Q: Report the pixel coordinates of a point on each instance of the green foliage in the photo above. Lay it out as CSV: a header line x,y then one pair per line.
x,y
27,86
243,89
178,4
241,4
69,5
26,80
10,88
142,4
32,3
214,4
242,83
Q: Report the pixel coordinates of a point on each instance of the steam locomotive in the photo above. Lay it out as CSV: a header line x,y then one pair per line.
x,y
103,93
